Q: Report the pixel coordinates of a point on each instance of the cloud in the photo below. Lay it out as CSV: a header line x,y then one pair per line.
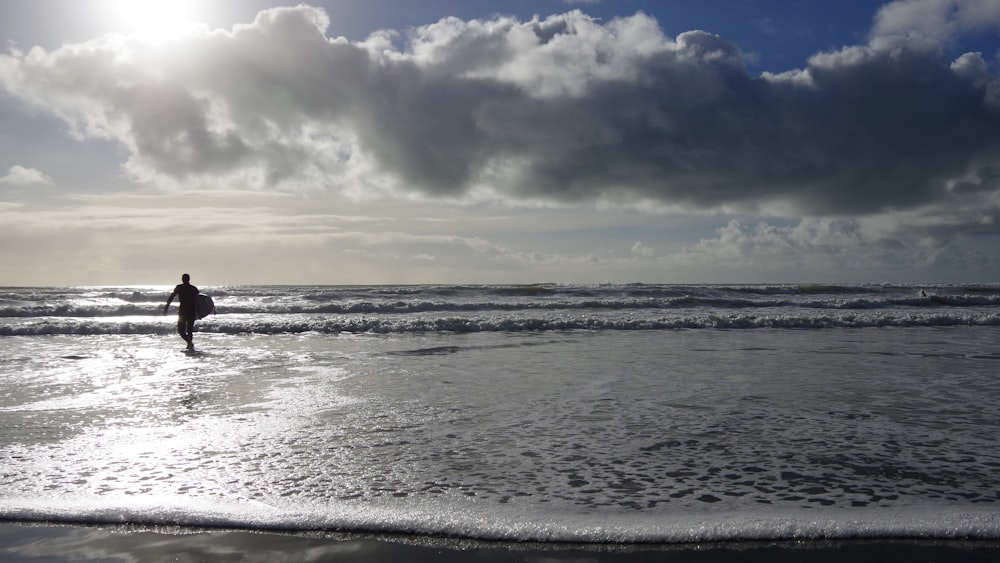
x,y
765,25
562,109
639,249
929,24
20,176
837,247
147,238
743,245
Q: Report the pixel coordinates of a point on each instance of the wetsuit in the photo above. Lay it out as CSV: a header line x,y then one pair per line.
x,y
186,314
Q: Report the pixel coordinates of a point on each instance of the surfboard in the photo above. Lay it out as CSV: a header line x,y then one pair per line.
x,y
204,306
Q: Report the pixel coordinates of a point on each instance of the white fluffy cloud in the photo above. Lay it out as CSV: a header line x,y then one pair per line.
x,y
20,176
564,109
931,23
639,249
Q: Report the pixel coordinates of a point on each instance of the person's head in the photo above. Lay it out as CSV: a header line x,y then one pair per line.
x,y
185,278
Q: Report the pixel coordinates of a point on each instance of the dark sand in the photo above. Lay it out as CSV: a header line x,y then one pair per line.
x,y
65,543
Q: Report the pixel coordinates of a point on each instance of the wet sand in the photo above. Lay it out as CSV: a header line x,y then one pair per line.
x,y
64,543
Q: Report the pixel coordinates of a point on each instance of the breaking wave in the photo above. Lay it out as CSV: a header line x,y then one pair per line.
x,y
486,308
236,324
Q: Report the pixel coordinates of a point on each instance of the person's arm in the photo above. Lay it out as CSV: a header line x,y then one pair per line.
x,y
169,299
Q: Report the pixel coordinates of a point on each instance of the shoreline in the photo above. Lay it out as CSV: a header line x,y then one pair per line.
x,y
59,542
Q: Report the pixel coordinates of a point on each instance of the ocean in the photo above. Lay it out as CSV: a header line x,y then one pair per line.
x,y
587,414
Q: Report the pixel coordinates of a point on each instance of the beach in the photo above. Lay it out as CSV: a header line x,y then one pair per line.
x,y
503,423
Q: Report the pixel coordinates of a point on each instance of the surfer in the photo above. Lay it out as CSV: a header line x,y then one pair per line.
x,y
186,312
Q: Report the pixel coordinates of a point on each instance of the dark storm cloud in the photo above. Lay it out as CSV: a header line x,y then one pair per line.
x,y
886,131
566,109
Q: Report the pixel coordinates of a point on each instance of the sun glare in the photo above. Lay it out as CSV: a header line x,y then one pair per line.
x,y
154,20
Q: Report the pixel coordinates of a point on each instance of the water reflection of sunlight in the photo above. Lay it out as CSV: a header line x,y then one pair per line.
x,y
107,374
133,416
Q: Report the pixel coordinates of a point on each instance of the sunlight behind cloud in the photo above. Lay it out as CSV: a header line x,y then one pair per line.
x,y
154,20
586,136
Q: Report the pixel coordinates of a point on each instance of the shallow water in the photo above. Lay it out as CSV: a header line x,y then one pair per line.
x,y
578,435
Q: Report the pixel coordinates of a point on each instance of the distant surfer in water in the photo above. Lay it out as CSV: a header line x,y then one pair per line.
x,y
186,312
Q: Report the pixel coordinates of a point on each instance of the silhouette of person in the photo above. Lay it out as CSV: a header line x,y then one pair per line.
x,y
186,315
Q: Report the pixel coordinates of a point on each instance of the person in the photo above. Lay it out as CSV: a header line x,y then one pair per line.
x,y
186,315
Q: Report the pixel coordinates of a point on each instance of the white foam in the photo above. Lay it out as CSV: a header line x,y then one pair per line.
x,y
500,523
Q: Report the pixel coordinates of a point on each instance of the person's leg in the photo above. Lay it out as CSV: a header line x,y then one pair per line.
x,y
185,328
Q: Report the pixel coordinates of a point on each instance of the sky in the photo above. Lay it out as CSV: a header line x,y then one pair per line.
x,y
488,141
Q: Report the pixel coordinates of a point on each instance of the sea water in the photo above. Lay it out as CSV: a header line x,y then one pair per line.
x,y
612,413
